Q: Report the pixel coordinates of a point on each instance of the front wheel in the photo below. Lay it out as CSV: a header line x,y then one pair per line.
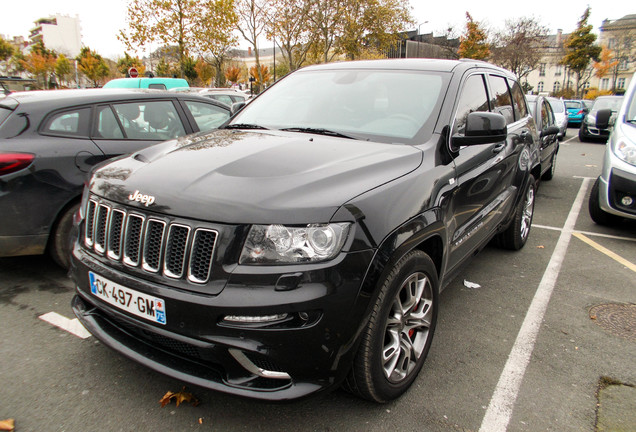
x,y
398,335
596,212
516,235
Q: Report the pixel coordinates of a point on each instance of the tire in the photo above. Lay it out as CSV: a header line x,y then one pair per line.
x,y
399,333
596,213
516,235
582,136
60,242
548,175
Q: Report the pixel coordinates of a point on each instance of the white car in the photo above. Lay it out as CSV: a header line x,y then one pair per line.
x,y
613,195
560,115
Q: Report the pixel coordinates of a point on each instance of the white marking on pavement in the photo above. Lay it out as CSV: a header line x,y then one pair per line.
x,y
587,233
499,410
73,326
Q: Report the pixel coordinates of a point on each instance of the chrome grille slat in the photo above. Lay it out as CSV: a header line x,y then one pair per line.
x,y
176,250
153,245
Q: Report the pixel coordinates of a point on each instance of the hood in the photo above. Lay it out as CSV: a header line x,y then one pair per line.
x,y
253,177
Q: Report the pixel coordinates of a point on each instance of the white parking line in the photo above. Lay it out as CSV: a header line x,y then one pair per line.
x,y
587,233
73,326
499,410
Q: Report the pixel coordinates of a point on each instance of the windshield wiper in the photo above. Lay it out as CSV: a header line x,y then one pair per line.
x,y
244,126
318,131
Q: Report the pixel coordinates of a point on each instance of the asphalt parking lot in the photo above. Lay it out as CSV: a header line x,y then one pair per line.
x,y
546,343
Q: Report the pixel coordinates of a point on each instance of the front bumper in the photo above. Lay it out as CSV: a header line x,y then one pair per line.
x,y
307,353
593,132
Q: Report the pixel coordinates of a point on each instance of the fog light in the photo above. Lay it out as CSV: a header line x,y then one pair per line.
x,y
255,319
627,201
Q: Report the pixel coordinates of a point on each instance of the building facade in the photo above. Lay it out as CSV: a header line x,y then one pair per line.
x,y
61,33
618,35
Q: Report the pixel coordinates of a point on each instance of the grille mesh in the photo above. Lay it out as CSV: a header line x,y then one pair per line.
x,y
152,244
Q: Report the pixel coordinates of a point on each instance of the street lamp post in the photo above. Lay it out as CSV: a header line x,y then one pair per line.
x,y
419,26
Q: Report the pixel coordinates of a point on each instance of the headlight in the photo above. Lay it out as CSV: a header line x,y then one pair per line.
x,y
279,244
590,119
625,150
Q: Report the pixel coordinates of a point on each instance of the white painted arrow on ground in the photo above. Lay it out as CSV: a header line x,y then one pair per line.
x,y
73,326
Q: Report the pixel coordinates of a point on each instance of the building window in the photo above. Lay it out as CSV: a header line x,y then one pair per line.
x,y
621,83
542,69
605,84
611,43
556,87
585,86
558,71
622,64
540,86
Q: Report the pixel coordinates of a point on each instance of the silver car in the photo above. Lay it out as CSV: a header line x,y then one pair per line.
x,y
613,195
560,115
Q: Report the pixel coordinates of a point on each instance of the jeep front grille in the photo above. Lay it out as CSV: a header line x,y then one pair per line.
x,y
150,243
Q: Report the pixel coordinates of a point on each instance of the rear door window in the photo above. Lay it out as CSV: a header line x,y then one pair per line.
x,y
70,123
156,120
500,99
207,116
106,125
518,100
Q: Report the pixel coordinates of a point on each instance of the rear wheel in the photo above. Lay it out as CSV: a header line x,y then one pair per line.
x,y
60,242
398,335
516,235
596,213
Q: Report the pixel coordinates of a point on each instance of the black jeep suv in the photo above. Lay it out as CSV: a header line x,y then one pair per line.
x,y
304,244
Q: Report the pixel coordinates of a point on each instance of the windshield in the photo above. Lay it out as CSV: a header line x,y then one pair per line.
x,y
573,104
379,105
603,103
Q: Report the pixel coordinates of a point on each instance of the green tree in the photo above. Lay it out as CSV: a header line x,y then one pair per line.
x,y
92,65
170,22
189,70
580,50
126,62
63,68
516,46
163,68
473,43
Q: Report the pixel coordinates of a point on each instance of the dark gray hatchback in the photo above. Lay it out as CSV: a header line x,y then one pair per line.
x,y
49,140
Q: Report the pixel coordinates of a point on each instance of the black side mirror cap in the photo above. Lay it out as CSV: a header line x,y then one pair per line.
x,y
482,128
603,118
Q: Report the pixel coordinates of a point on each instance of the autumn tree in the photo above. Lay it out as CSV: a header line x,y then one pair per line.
x,y
92,65
6,51
233,74
253,16
473,43
204,71
580,50
127,61
169,22
40,63
372,25
63,68
262,74
516,47
290,30
327,25
623,51
605,64
215,35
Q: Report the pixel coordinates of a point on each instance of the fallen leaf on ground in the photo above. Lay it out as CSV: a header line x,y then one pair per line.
x,y
200,420
540,247
179,398
593,317
7,425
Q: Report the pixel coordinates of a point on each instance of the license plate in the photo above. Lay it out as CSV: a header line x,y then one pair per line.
x,y
139,304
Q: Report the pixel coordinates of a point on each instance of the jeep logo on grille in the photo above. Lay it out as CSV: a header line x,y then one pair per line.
x,y
139,197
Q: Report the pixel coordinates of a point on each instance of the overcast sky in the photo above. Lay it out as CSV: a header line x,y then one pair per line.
x,y
101,21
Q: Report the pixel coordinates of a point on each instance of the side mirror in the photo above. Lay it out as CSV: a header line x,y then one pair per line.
x,y
550,130
236,107
482,128
603,118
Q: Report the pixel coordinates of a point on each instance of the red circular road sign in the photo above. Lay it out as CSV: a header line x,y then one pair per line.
x,y
132,72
